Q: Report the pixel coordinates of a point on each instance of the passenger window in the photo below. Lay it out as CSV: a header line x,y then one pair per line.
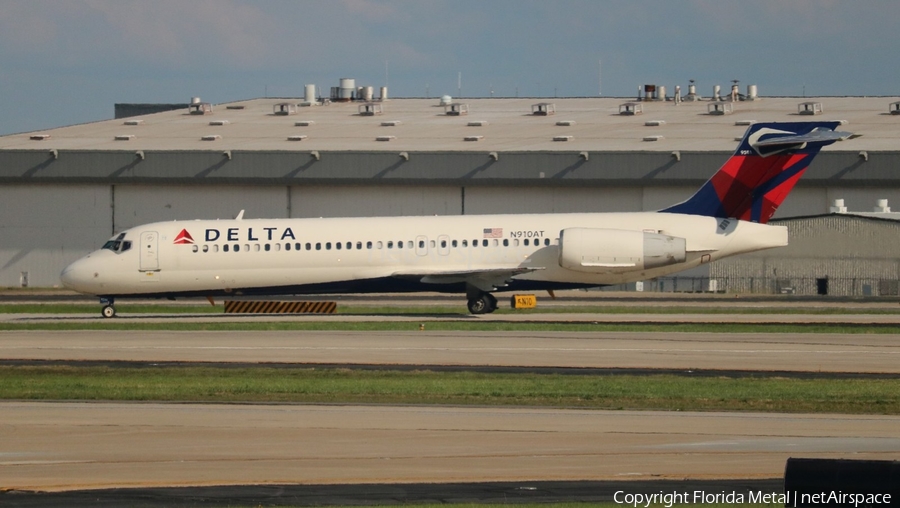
x,y
409,244
297,246
194,248
390,245
431,243
225,248
506,242
267,247
453,244
216,248
400,244
421,244
318,246
443,244
337,246
327,245
277,247
255,247
368,245
484,243
205,248
379,244
474,243
237,247
358,245
526,242
465,243
308,246
516,242
547,241
287,246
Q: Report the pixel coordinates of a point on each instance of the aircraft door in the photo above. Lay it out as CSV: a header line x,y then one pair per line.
x,y
422,245
149,251
443,245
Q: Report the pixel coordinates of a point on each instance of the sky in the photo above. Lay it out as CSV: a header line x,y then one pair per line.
x,y
64,62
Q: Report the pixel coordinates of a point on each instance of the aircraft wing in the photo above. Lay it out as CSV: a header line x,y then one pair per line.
x,y
485,280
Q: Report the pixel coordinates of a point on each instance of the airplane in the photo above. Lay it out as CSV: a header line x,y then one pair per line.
x,y
472,254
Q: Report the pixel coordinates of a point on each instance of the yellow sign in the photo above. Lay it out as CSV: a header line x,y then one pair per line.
x,y
523,301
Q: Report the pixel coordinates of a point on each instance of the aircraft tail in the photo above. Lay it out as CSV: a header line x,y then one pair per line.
x,y
758,177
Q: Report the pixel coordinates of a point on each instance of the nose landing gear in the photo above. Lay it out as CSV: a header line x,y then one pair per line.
x,y
109,309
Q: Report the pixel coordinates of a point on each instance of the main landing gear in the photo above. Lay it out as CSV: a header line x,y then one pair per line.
x,y
483,303
109,310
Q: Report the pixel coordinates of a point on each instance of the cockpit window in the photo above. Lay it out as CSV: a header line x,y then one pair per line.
x,y
116,244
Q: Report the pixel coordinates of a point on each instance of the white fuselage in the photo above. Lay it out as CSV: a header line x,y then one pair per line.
x,y
278,256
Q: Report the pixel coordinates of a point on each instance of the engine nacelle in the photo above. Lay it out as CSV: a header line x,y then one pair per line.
x,y
617,250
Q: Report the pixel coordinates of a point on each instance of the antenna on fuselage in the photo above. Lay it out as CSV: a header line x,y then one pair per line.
x,y
240,215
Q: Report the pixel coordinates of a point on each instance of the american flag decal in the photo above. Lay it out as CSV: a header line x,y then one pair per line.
x,y
493,232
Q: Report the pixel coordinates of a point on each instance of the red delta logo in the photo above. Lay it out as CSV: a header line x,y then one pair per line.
x,y
183,238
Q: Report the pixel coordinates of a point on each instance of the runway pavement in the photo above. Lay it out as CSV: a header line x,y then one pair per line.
x,y
808,352
61,446
64,446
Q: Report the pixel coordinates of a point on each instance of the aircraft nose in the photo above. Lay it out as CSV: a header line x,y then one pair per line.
x,y
78,276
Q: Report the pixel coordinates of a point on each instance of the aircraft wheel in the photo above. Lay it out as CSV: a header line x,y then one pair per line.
x,y
492,302
108,311
483,304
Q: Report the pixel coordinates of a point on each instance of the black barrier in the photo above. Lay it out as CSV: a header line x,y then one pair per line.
x,y
839,482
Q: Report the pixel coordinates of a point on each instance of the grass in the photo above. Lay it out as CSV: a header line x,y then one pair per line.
x,y
312,385
459,326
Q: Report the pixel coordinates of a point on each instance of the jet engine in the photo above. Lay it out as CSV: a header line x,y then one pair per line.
x,y
617,250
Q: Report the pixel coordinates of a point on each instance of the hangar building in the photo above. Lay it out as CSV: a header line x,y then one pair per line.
x,y
64,191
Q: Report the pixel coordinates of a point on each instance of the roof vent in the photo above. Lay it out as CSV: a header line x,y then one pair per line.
x,y
446,100
654,123
543,109
133,122
390,123
235,106
477,123
200,108
284,109
563,138
631,108
653,138
371,109
720,108
565,123
809,108
385,138
219,122
299,137
473,138
304,123
124,137
211,137
894,108
881,206
456,109
39,137
838,207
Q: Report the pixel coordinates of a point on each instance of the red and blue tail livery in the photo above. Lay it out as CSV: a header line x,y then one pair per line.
x,y
758,177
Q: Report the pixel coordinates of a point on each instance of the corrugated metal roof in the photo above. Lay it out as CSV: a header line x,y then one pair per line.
x,y
508,125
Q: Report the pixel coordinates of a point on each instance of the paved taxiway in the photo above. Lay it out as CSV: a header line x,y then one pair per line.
x,y
810,352
59,446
